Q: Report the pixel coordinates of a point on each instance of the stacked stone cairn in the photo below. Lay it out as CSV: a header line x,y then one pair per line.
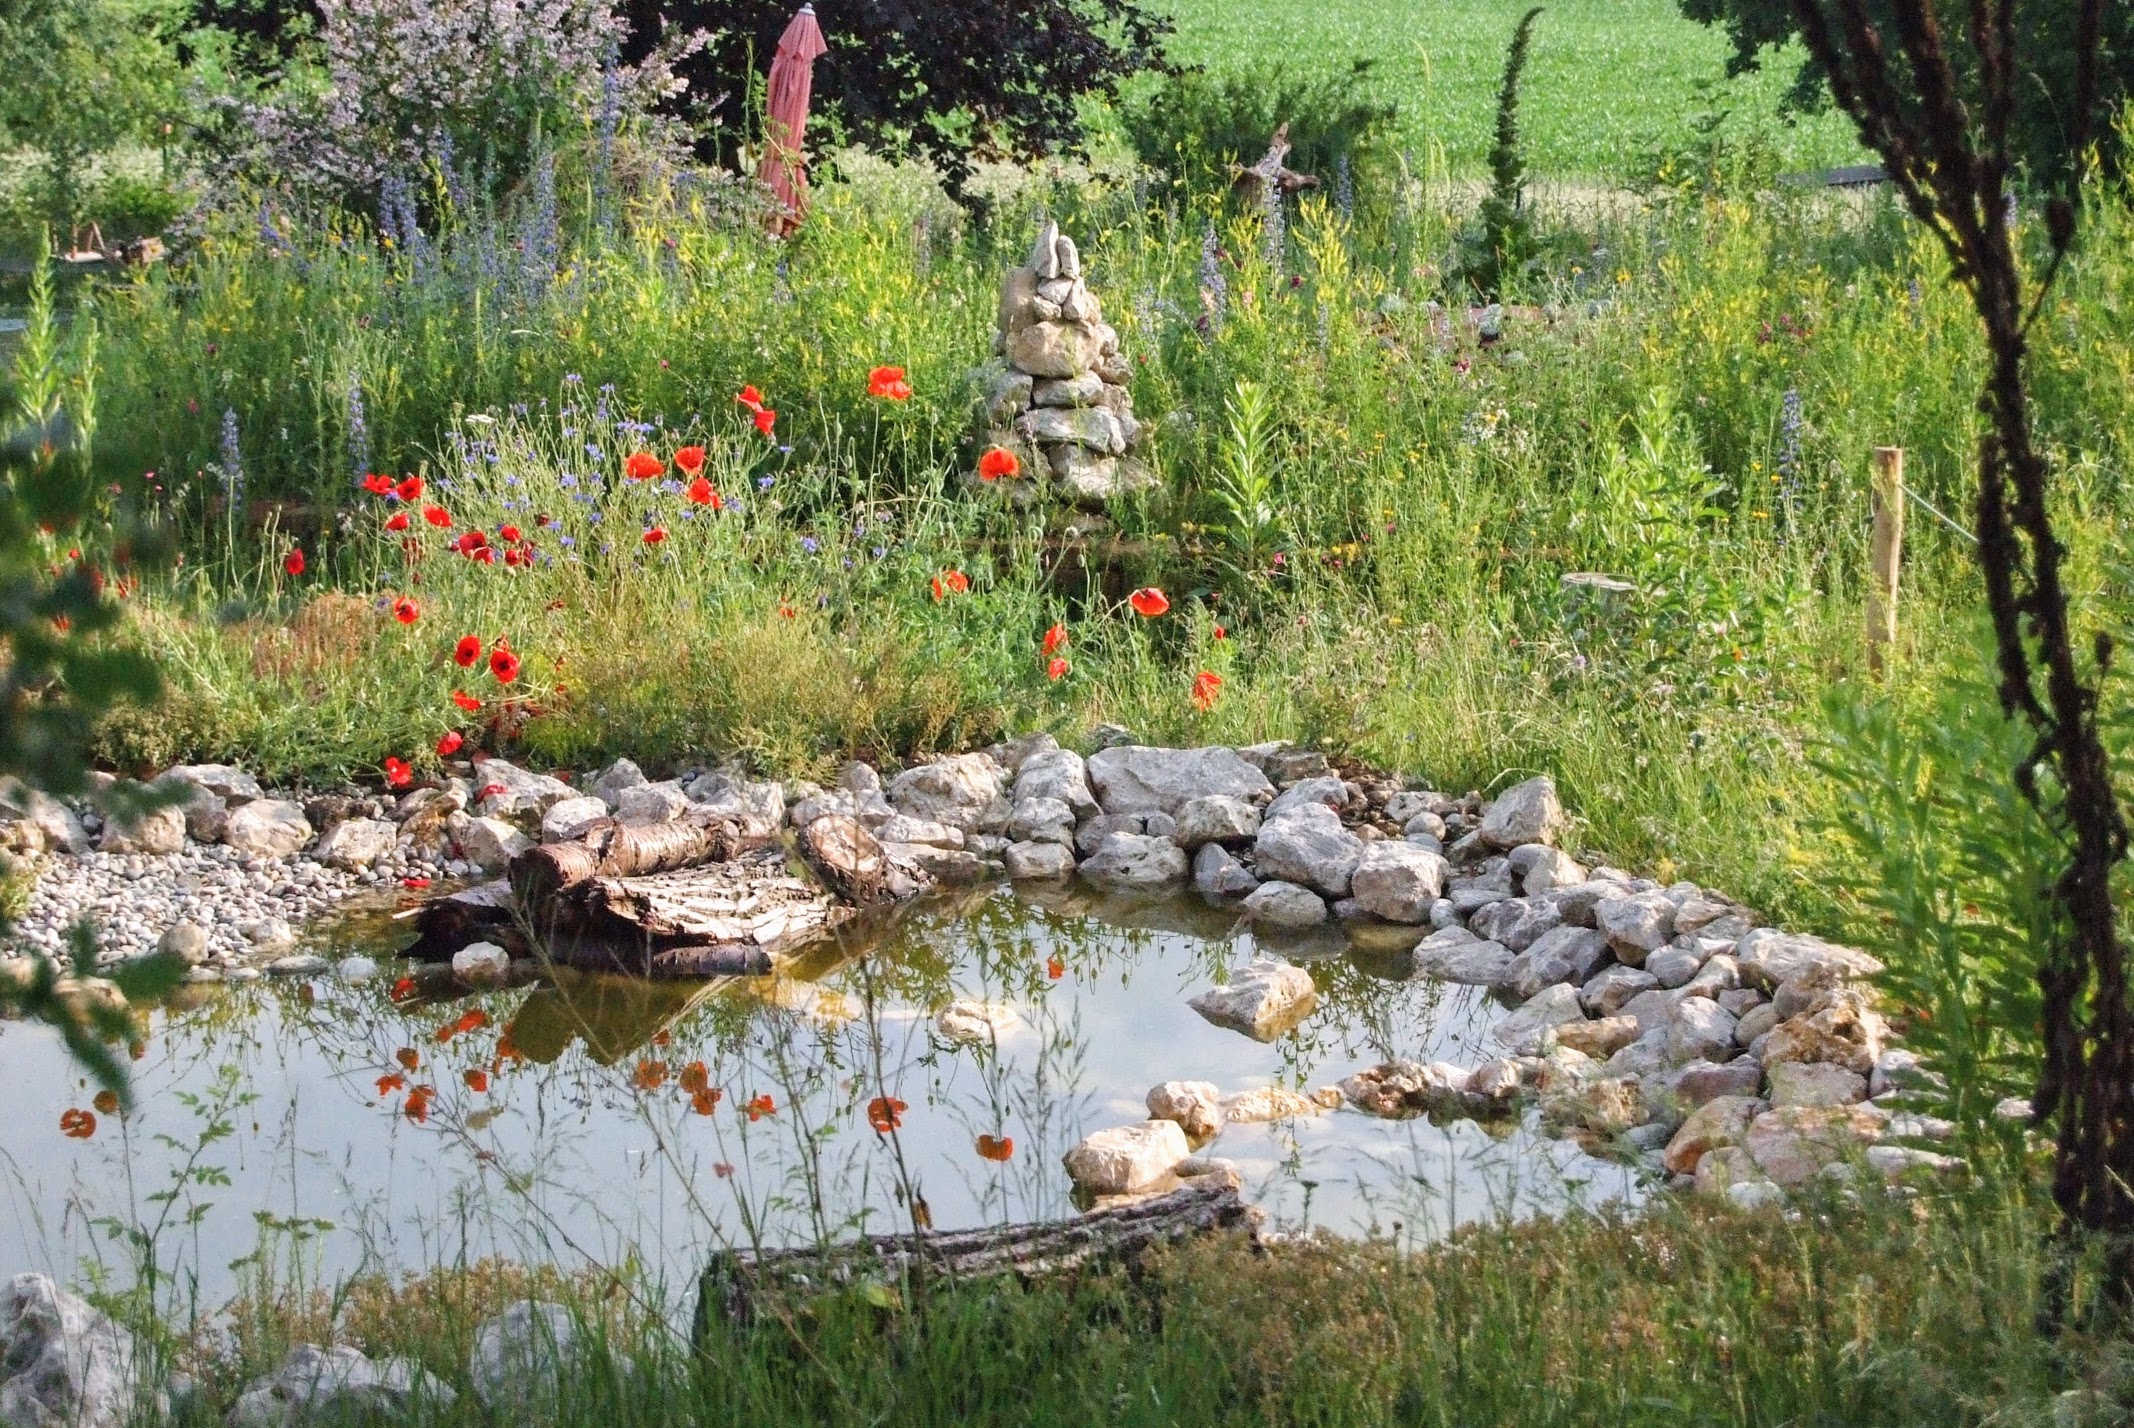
x,y
1055,392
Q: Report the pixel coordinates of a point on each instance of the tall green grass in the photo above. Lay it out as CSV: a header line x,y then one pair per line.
x,y
1869,1309
1687,399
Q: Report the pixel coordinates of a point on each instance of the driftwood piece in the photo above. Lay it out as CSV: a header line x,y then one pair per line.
x,y
753,901
736,1282
483,913
1251,180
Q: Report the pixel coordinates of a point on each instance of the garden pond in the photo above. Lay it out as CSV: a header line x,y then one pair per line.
x,y
576,1118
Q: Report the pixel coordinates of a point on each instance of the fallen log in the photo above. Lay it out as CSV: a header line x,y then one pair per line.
x,y
626,850
738,1282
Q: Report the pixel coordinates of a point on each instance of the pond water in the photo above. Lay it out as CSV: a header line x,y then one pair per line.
x,y
565,1125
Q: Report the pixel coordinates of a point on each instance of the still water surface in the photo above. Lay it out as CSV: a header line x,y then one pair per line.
x,y
561,1128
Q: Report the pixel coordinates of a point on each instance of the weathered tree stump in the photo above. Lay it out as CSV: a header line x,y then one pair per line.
x,y
1251,180
737,1282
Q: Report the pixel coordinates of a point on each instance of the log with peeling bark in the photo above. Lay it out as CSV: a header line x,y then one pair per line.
x,y
621,850
699,897
1251,180
739,1282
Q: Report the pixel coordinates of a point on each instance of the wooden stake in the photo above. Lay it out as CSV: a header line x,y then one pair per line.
x,y
1885,550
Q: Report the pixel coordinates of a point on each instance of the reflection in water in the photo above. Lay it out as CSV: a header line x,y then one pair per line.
x,y
588,1117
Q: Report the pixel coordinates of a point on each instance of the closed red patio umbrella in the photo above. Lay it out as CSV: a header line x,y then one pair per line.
x,y
786,115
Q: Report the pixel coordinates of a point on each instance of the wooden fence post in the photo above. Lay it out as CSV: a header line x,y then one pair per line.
x,y
1885,550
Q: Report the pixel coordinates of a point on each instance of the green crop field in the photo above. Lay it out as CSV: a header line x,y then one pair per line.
x,y
1607,82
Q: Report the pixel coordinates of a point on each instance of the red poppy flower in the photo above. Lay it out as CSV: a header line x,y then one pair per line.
x,y
470,542
888,382
466,652
407,1058
997,463
463,699
437,516
643,466
751,398
950,582
418,884
406,611
996,1148
77,1124
1206,686
785,611
1054,967
417,1108
476,1078
690,460
1149,602
694,1077
510,535
293,562
450,743
1058,668
761,1106
704,1102
515,557
392,1082
885,1114
402,989
397,773
485,556
764,418
1221,633
655,535
504,665
650,1075
377,485
409,489
700,493
397,521
1055,639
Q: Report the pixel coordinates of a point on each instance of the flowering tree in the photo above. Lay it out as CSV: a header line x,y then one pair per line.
x,y
480,88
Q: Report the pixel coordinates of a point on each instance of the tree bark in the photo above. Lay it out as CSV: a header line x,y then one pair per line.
x,y
738,1282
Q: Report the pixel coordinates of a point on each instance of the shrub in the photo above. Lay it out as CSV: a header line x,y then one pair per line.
x,y
84,78
1196,124
477,91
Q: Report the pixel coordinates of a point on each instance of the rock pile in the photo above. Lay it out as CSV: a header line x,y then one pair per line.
x,y
1055,393
1662,1019
221,877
